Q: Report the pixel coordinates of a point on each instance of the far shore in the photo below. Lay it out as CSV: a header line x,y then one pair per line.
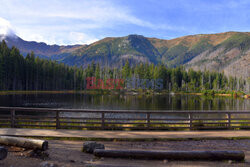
x,y
128,92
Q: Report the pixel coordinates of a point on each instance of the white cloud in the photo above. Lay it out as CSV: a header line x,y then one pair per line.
x,y
5,27
81,38
56,21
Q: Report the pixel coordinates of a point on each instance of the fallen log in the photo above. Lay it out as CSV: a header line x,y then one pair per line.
x,y
3,153
172,155
24,142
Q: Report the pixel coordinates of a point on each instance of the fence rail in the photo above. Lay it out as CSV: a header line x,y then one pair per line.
x,y
18,117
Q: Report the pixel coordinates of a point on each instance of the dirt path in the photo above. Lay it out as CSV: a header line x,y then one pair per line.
x,y
68,154
100,134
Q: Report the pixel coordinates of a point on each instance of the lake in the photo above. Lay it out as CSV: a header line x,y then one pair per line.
x,y
125,102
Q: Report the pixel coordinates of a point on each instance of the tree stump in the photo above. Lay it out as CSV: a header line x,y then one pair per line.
x,y
90,146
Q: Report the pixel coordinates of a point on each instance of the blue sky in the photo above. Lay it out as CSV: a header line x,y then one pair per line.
x,y
85,21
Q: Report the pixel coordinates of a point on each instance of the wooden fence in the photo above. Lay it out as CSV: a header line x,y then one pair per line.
x,y
18,117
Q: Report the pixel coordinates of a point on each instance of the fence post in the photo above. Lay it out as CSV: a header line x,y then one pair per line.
x,y
12,118
148,120
103,120
190,121
57,119
229,120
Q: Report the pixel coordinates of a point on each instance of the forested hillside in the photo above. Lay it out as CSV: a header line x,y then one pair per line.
x,y
227,52
32,73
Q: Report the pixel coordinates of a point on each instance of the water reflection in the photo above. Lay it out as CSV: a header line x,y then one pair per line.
x,y
124,102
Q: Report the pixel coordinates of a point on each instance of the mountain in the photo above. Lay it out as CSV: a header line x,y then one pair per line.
x,y
225,52
39,48
115,51
228,52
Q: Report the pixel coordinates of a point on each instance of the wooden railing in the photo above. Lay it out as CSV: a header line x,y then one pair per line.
x,y
18,117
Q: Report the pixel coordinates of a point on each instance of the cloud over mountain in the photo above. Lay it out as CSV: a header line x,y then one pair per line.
x,y
6,28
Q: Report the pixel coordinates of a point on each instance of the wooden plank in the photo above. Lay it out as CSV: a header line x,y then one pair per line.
x,y
168,119
35,116
127,119
148,120
240,122
195,123
141,119
238,119
38,121
57,120
81,118
125,111
191,121
240,126
145,123
229,120
5,116
103,120
32,125
145,128
208,119
72,126
5,120
12,118
210,127
171,123
122,127
5,124
71,122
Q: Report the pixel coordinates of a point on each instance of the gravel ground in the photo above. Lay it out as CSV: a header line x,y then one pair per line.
x,y
68,154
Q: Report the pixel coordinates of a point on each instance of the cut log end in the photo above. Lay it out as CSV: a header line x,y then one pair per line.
x,y
45,145
3,153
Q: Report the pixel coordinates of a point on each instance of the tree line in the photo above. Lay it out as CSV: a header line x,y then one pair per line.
x,y
32,73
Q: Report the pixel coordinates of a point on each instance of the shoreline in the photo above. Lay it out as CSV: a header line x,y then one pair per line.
x,y
129,92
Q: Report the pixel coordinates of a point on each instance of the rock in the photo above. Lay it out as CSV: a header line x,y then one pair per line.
x,y
72,161
165,161
48,164
90,146
37,154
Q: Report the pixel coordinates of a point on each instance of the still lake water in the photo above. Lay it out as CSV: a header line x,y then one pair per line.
x,y
125,102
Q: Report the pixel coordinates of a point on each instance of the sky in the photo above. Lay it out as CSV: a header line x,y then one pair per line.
x,y
67,22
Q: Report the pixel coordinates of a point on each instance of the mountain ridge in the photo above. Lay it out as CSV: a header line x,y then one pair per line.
x,y
227,52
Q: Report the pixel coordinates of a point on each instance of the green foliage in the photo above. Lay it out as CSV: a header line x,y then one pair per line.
x,y
181,54
173,55
239,40
32,73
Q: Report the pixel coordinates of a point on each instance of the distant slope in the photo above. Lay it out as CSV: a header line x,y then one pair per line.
x,y
231,56
228,52
39,48
115,51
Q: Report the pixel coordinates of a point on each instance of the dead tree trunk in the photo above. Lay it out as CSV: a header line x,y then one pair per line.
x,y
23,142
172,155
